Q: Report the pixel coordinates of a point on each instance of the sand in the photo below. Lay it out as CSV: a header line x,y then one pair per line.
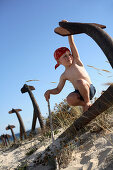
x,y
95,153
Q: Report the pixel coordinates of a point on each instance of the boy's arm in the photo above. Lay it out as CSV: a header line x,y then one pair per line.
x,y
61,83
56,90
74,50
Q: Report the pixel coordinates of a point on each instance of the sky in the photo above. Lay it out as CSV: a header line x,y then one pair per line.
x,y
27,45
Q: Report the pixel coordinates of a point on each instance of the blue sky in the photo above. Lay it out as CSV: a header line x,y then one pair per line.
x,y
27,44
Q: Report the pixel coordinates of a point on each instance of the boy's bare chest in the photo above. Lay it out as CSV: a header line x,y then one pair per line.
x,y
74,71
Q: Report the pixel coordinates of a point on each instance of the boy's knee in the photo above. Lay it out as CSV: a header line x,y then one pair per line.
x,y
72,99
69,100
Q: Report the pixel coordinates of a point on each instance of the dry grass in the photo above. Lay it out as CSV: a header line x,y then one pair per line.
x,y
63,115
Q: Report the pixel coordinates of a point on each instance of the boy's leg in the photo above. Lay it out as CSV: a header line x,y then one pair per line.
x,y
73,99
83,88
80,98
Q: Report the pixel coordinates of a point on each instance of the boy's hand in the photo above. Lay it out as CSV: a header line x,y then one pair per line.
x,y
64,20
47,95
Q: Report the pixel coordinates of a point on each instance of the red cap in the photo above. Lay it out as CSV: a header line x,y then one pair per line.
x,y
58,53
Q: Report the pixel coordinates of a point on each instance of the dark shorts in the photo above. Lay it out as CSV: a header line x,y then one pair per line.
x,y
92,92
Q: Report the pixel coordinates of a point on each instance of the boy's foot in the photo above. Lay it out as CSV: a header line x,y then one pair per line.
x,y
86,107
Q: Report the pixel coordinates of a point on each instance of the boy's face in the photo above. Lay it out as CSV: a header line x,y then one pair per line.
x,y
66,59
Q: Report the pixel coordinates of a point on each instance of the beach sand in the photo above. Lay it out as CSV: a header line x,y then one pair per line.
x,y
95,153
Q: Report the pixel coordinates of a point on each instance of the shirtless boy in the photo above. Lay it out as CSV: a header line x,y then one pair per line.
x,y
76,74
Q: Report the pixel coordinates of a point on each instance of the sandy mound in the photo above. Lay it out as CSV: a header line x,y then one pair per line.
x,y
91,151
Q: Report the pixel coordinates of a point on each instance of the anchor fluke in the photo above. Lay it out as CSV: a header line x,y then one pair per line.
x,y
71,28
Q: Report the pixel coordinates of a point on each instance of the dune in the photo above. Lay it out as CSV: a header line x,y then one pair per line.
x,y
92,150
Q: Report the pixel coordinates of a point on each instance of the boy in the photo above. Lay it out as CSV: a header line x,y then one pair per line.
x,y
76,74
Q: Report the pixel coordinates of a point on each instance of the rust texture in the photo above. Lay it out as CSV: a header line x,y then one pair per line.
x,y
11,128
36,112
5,139
22,128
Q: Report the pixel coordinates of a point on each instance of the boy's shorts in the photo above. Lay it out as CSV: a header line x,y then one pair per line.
x,y
92,92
